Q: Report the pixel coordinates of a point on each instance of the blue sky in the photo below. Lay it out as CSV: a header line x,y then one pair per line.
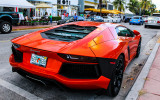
x,y
92,0
157,3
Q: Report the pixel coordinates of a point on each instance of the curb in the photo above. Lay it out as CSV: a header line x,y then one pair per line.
x,y
138,85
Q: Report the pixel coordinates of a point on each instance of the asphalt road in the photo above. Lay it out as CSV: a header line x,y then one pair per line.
x,y
14,86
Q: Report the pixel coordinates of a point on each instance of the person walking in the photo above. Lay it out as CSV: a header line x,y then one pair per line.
x,y
75,17
50,18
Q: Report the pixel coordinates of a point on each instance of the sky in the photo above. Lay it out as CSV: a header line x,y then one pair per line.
x,y
157,3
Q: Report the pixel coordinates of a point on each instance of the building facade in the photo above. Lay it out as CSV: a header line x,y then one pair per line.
x,y
56,7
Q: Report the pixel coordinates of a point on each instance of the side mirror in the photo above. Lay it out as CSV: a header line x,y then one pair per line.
x,y
136,32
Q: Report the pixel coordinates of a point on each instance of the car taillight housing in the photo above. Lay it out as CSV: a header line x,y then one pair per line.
x,y
130,19
146,20
76,58
158,21
138,20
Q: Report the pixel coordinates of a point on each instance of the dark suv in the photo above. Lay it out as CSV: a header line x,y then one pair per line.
x,y
7,19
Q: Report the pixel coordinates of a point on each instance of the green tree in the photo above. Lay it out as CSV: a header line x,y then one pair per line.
x,y
119,4
134,6
145,5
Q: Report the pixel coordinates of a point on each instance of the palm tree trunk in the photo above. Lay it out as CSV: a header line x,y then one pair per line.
x,y
100,4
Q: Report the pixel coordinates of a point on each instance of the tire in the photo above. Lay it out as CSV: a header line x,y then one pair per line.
x,y
5,27
116,79
145,26
138,49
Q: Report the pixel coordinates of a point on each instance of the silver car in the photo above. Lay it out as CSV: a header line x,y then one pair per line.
x,y
152,21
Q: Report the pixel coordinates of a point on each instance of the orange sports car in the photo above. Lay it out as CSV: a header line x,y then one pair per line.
x,y
79,55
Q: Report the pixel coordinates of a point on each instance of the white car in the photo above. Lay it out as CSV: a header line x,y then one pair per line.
x,y
116,19
108,19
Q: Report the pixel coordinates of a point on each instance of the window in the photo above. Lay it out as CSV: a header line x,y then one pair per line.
x,y
68,33
123,31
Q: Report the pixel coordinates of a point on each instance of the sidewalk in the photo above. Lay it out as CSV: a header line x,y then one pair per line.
x,y
151,88
17,28
147,85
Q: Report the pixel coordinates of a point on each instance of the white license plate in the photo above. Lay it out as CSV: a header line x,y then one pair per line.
x,y
38,60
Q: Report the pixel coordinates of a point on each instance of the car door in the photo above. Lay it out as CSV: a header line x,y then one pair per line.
x,y
128,36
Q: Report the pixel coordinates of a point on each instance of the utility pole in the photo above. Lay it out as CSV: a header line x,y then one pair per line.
x,y
100,4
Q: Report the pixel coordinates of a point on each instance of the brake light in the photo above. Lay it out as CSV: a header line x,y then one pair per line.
x,y
131,20
76,58
138,20
158,21
146,20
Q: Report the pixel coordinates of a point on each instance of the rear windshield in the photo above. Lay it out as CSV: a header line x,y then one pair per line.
x,y
68,33
135,17
152,18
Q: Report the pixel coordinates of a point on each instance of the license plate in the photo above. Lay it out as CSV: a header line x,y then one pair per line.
x,y
38,60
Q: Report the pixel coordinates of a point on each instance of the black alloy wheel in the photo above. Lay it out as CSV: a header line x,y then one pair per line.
x,y
116,79
138,49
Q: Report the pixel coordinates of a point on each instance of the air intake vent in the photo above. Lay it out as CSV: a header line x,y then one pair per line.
x,y
80,71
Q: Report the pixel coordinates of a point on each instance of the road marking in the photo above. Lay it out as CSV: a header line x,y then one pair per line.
x,y
18,90
5,41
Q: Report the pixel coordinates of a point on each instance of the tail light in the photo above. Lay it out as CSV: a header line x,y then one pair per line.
x,y
146,20
138,20
158,21
130,19
76,58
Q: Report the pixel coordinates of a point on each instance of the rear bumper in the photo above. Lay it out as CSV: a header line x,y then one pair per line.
x,y
148,24
134,22
101,82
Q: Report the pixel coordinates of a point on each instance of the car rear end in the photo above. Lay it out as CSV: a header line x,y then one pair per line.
x,y
135,20
152,21
56,56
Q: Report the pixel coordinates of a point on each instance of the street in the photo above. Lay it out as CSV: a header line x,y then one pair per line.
x,y
54,92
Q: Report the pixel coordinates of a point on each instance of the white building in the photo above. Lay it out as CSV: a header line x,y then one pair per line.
x,y
56,7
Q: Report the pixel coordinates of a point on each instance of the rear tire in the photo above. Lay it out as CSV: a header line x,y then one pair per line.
x,y
116,79
145,26
5,27
138,49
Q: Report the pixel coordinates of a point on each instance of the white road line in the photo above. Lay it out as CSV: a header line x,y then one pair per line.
x,y
18,90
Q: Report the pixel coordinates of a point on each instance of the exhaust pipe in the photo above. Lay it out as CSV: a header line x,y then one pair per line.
x,y
37,80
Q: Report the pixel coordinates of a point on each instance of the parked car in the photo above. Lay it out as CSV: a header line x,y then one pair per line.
x,y
152,21
116,19
136,20
79,55
144,17
70,19
7,19
95,18
127,17
108,19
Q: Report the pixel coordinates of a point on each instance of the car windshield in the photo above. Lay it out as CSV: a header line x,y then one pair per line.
x,y
135,17
67,18
98,17
79,17
68,33
152,18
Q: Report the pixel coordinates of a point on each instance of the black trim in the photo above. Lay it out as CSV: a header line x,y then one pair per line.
x,y
128,53
106,67
80,71
18,56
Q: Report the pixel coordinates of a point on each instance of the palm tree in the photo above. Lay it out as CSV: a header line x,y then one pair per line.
x,y
119,4
145,5
134,6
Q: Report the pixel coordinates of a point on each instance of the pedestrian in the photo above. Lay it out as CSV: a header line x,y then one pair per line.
x,y
50,18
75,17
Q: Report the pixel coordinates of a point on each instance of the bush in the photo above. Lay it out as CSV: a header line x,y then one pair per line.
x,y
55,18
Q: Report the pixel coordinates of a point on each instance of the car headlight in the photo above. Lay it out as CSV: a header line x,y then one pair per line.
x,y
16,45
76,58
